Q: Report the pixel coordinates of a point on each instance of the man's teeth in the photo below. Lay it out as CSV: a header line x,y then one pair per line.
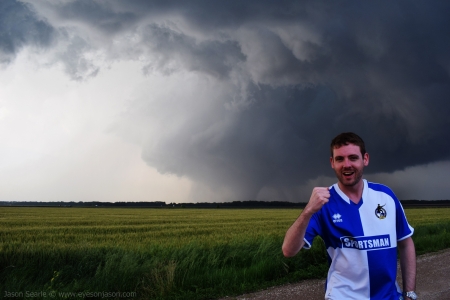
x,y
348,173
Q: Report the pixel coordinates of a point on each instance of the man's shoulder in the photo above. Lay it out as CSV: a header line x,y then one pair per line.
x,y
381,188
378,187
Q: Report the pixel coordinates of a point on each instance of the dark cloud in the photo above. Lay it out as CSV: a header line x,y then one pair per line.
x,y
215,58
290,76
100,15
19,27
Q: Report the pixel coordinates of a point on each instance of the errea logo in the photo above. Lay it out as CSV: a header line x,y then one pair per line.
x,y
337,218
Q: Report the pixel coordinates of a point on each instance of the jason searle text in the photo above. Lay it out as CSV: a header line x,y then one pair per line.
x,y
67,295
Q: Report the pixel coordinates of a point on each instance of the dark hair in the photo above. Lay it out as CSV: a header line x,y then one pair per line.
x,y
346,138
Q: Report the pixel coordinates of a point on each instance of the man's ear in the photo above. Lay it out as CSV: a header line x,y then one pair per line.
x,y
366,159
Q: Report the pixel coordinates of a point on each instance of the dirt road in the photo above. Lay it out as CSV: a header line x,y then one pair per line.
x,y
433,282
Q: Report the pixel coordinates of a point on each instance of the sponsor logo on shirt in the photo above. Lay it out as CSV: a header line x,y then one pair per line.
x,y
337,218
366,242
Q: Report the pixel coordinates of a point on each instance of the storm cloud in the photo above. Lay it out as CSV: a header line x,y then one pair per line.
x,y
256,90
20,26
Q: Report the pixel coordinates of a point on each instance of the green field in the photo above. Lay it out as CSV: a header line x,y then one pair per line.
x,y
163,253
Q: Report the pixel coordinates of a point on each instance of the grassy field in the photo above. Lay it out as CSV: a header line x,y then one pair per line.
x,y
70,253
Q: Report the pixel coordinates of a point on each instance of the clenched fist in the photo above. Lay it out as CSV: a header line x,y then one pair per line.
x,y
319,197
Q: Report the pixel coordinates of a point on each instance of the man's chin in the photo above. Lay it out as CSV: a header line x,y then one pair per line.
x,y
350,183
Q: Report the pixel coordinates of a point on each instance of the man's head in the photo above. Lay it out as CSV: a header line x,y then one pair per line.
x,y
348,159
346,138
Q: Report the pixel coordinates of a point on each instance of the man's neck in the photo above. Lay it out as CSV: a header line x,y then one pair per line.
x,y
354,192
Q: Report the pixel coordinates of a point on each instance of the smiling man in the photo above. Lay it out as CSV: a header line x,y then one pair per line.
x,y
362,225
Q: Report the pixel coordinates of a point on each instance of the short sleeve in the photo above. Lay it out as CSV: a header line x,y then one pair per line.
x,y
404,230
313,230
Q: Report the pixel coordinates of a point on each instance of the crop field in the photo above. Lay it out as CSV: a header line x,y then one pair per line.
x,y
130,253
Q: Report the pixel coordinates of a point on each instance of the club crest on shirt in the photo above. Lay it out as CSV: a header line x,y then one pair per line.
x,y
380,212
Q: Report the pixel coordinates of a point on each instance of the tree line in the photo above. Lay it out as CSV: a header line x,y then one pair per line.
x,y
233,204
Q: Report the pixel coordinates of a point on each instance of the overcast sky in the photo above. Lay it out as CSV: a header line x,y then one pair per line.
x,y
200,101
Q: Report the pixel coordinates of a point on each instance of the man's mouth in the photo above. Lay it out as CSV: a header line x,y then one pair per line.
x,y
348,173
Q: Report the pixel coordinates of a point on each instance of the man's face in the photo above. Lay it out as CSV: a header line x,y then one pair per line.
x,y
348,163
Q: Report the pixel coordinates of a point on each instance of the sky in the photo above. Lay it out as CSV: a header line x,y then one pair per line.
x,y
204,101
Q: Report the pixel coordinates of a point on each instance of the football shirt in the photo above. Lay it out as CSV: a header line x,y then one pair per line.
x,y
361,242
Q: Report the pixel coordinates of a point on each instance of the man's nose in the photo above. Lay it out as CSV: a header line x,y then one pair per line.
x,y
347,163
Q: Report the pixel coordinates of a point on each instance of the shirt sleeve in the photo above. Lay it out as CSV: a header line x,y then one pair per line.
x,y
313,230
404,230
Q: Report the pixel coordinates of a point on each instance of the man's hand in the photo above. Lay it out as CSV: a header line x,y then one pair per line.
x,y
319,197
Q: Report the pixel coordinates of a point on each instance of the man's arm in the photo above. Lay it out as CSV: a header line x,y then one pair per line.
x,y
408,264
293,241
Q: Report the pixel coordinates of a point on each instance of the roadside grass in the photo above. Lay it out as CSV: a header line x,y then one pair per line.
x,y
166,253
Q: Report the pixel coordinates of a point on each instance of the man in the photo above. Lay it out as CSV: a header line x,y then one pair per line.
x,y
362,225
